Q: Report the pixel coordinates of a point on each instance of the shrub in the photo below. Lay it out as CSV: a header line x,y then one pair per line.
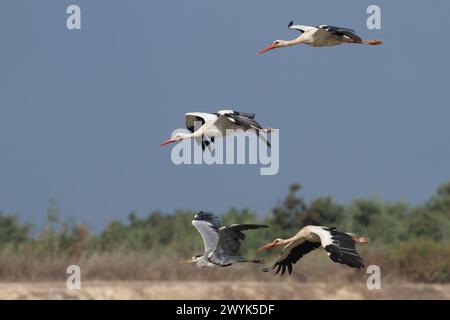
x,y
422,259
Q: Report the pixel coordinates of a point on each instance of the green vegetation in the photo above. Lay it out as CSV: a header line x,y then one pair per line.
x,y
414,241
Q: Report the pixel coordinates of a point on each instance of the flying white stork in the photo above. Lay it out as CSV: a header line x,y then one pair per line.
x,y
321,36
217,124
340,247
221,243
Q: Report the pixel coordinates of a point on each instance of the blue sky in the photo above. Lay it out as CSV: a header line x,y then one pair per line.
x,y
82,113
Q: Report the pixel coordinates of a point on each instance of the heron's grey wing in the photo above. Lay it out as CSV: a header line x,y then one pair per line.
x,y
208,217
230,238
209,232
341,32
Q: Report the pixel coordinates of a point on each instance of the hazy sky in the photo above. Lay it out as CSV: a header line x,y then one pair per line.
x,y
82,113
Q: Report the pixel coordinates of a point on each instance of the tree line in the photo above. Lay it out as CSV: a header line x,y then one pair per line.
x,y
406,234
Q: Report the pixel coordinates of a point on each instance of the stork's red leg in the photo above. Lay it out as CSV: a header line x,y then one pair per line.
x,y
372,42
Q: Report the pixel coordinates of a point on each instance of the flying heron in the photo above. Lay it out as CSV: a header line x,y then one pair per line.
x,y
221,243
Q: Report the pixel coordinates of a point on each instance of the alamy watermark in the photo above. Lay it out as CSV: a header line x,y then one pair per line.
x,y
73,21
374,280
237,147
374,20
73,282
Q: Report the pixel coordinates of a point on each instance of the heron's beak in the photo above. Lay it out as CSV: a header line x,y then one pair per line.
x,y
184,261
167,142
267,246
269,47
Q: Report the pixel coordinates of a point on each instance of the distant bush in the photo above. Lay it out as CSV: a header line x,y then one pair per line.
x,y
12,231
422,260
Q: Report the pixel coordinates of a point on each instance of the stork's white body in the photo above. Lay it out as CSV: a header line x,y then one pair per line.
x,y
316,37
209,126
213,124
340,247
320,36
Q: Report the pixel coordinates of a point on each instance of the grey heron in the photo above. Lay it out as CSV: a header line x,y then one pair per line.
x,y
339,246
221,243
217,124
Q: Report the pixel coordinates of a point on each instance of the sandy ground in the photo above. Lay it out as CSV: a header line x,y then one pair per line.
x,y
220,290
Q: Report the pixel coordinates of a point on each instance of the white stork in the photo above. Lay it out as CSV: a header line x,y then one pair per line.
x,y
340,247
321,36
215,125
221,243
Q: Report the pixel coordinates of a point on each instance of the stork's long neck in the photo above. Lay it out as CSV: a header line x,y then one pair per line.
x,y
287,241
295,41
198,133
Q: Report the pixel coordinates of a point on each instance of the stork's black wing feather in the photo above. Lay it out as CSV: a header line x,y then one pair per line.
x,y
191,120
335,29
293,257
263,139
248,119
343,249
297,28
245,114
206,142
342,32
244,119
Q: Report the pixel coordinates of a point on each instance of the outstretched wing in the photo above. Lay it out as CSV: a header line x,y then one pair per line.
x,y
194,120
291,254
300,28
339,246
230,238
242,119
339,31
208,226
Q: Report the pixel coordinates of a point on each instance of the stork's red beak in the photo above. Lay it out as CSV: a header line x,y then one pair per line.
x,y
167,142
269,47
267,246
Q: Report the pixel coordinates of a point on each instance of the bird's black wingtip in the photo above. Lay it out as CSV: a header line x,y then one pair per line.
x,y
290,24
204,215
